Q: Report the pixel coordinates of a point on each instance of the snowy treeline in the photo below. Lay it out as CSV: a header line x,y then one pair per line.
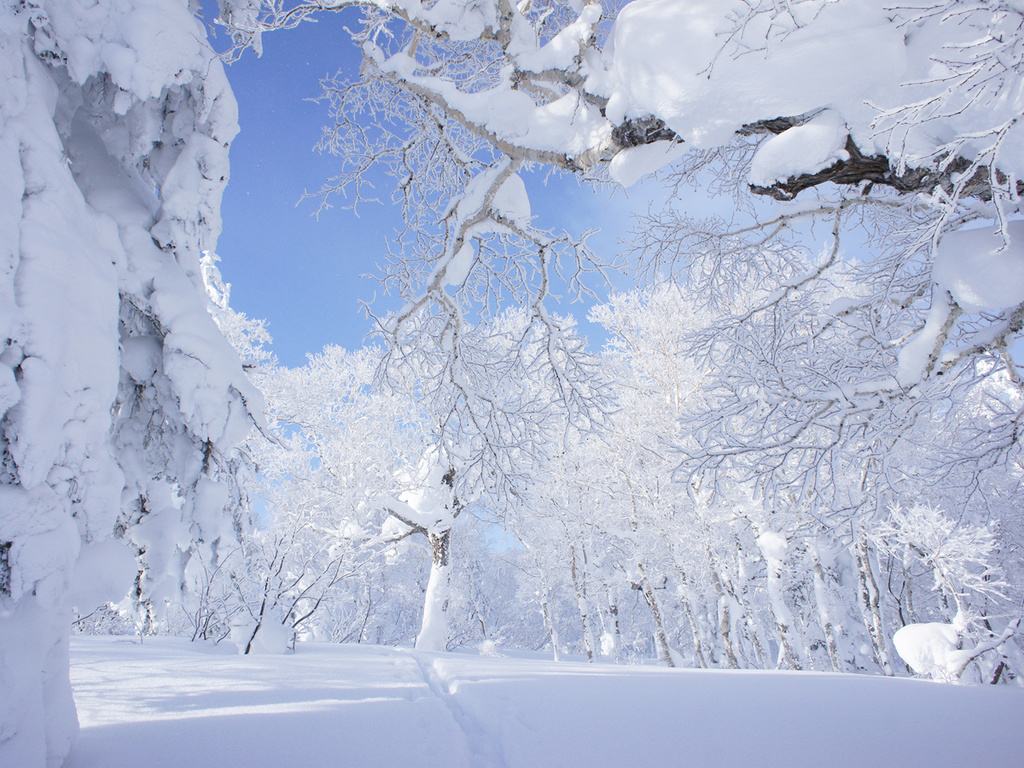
x,y
606,548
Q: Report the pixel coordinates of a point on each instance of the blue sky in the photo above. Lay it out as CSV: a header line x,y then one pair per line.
x,y
304,274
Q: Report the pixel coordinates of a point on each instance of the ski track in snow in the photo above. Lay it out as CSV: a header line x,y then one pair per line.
x,y
487,751
167,703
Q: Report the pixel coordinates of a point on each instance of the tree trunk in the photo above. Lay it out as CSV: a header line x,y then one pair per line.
x,y
665,652
613,647
580,588
821,598
724,619
549,619
433,634
698,646
784,621
870,603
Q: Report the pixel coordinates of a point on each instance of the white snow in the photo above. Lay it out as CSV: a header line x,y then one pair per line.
x,y
980,270
708,67
558,53
103,573
170,703
773,546
806,148
918,353
511,200
567,124
930,649
681,61
632,164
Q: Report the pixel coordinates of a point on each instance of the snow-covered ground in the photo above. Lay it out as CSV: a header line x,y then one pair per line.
x,y
171,703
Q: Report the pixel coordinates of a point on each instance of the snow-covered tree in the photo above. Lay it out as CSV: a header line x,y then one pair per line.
x,y
962,561
430,507
316,561
831,128
120,402
367,455
776,99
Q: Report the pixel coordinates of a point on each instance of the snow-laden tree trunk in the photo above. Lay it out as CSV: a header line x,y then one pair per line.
x,y
611,638
666,653
579,585
773,547
545,595
431,508
824,615
120,402
691,619
870,603
724,619
433,634
547,607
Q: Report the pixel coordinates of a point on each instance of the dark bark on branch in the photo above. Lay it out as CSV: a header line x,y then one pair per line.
x,y
876,169
858,169
638,131
413,527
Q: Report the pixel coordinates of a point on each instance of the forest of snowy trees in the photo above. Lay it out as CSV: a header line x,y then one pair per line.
x,y
602,547
799,448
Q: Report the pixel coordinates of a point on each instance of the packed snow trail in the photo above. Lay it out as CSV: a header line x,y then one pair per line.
x,y
168,703
486,752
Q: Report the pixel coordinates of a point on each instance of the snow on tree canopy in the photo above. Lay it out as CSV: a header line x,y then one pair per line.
x,y
691,64
983,269
906,83
854,99
118,395
673,59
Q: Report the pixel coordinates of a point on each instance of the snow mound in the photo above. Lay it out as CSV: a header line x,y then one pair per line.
x,y
930,649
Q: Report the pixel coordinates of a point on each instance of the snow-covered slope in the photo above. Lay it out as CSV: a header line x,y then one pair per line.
x,y
171,703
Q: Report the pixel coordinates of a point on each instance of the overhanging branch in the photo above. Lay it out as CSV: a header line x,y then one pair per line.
x,y
858,169
876,169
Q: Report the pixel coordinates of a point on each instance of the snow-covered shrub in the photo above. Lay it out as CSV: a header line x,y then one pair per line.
x,y
962,559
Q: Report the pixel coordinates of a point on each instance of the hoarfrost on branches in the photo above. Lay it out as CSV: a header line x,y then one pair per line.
x,y
878,127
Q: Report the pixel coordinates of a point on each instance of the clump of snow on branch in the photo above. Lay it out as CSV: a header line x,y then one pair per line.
x,y
983,268
931,649
632,164
806,148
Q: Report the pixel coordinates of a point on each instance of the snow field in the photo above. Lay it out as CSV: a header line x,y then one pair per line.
x,y
169,703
